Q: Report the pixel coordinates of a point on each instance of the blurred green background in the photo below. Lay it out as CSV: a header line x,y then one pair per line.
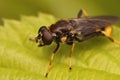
x,y
13,9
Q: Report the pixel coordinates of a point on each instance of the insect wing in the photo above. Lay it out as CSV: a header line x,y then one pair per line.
x,y
88,25
109,19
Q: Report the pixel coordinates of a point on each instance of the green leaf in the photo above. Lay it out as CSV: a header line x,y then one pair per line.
x,y
21,59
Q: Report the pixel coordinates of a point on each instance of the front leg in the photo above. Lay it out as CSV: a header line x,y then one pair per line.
x,y
51,59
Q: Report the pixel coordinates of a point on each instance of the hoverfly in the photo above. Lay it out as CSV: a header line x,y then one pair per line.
x,y
79,29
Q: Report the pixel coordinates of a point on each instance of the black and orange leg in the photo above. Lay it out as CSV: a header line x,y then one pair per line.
x,y
81,13
51,59
70,55
107,33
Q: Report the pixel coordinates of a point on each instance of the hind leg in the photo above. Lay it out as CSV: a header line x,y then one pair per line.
x,y
107,33
81,13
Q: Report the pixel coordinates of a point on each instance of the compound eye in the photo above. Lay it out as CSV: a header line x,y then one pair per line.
x,y
41,29
47,37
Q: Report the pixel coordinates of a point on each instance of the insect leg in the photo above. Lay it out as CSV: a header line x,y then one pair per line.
x,y
82,12
79,14
70,55
107,33
51,59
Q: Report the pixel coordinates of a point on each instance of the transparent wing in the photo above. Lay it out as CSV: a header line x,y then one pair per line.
x,y
109,19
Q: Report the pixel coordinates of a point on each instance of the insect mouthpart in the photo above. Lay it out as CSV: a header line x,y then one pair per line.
x,y
39,40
